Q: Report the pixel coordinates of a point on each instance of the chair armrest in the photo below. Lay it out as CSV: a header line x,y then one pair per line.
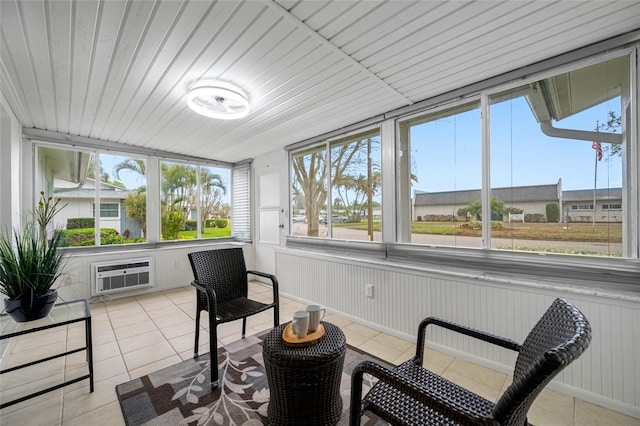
x,y
274,282
463,329
212,307
449,408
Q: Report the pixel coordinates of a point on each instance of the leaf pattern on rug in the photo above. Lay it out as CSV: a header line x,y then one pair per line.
x,y
181,393
220,409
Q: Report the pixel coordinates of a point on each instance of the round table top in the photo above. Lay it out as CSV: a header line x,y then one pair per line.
x,y
333,344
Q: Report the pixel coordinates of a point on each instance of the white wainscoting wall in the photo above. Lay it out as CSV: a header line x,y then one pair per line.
x,y
607,374
171,268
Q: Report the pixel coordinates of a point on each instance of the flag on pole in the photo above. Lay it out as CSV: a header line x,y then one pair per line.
x,y
598,148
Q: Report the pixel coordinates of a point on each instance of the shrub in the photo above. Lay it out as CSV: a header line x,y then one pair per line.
x,y
534,217
135,240
512,210
553,212
190,225
86,237
462,212
475,224
80,237
221,223
110,239
209,223
436,218
172,223
81,222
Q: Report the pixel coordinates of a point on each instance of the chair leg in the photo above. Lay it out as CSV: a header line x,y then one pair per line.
x,y
276,316
195,347
213,352
355,409
244,326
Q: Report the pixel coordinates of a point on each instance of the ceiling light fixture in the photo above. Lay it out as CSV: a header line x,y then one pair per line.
x,y
218,102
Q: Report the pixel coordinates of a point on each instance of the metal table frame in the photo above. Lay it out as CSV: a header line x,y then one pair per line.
x,y
61,314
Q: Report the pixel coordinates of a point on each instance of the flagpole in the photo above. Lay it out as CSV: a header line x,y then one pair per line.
x,y
595,175
595,183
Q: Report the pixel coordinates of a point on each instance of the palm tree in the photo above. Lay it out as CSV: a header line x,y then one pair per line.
x,y
131,165
177,189
135,204
212,192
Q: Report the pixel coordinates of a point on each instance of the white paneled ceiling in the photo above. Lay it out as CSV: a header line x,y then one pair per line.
x,y
120,70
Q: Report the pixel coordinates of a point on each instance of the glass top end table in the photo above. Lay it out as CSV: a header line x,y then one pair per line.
x,y
62,314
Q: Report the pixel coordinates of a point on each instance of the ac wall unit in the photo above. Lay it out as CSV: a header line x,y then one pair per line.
x,y
121,275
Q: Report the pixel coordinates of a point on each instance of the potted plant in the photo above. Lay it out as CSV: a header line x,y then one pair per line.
x,y
30,265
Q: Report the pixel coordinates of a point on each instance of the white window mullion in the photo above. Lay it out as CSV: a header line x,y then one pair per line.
x,y
153,200
329,181
405,197
631,162
486,171
390,208
96,182
198,200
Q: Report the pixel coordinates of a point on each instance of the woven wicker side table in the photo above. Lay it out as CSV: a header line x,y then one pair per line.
x,y
304,382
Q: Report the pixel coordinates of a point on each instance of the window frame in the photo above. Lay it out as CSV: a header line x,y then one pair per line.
x,y
117,210
578,272
198,166
327,144
403,124
35,138
632,181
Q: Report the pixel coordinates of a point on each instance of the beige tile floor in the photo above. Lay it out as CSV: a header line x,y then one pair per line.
x,y
137,335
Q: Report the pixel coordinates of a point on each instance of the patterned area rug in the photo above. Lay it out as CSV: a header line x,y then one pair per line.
x,y
181,394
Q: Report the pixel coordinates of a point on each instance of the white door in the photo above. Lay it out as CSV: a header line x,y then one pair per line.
x,y
271,218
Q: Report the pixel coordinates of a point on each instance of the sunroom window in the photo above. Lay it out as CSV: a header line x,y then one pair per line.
x,y
557,148
352,209
194,201
84,180
445,159
541,165
550,178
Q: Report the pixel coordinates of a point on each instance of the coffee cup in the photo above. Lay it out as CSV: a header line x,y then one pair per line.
x,y
316,313
300,323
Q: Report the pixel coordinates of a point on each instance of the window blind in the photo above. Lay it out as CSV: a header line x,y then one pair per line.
x,y
241,202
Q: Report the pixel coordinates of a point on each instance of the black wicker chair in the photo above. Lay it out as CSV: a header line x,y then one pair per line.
x,y
221,279
412,395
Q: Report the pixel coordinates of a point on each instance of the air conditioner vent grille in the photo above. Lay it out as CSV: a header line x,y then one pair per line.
x,y
121,275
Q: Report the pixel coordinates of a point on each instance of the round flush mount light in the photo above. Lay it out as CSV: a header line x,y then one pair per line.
x,y
218,102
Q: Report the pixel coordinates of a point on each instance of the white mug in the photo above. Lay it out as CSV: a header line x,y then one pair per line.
x,y
300,323
315,316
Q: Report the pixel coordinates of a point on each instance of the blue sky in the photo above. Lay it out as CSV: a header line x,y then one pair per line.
x,y
133,180
446,153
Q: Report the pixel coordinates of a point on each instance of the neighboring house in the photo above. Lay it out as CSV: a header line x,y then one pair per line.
x,y
81,204
577,205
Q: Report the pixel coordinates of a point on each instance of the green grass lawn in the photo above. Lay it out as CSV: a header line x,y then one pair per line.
x,y
601,232
208,233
